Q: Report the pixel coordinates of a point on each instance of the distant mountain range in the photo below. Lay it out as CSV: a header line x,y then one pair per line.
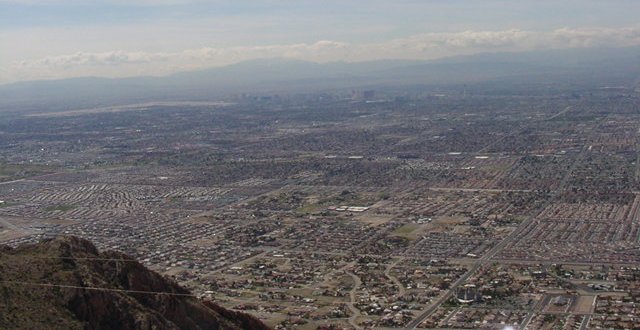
x,y
581,66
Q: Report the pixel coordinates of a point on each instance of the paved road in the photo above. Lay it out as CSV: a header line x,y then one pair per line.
x,y
479,189
531,313
500,246
387,273
565,110
486,258
585,322
352,300
13,181
563,262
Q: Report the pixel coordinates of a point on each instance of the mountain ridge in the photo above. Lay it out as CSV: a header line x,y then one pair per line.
x,y
66,283
294,76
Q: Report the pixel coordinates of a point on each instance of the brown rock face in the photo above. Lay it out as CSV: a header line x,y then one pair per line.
x,y
137,298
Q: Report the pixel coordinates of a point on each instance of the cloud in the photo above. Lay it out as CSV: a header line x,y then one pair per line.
x,y
114,58
85,2
466,42
219,55
462,40
592,37
420,46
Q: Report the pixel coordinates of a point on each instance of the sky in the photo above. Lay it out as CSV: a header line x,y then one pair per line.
x,y
54,39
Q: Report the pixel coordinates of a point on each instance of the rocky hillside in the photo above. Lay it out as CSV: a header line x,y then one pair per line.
x,y
58,284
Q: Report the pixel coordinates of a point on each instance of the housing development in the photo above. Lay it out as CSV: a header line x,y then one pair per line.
x,y
353,210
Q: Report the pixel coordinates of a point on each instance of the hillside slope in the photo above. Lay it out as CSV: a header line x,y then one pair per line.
x,y
75,300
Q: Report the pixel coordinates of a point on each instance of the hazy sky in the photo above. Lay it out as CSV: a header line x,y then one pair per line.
x,y
113,38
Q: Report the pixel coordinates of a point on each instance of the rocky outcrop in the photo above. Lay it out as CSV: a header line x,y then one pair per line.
x,y
66,283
